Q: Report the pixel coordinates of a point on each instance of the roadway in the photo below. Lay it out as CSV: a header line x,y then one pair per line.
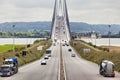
x,y
36,71
77,68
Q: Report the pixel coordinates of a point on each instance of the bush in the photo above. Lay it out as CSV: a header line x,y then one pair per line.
x,y
17,54
37,41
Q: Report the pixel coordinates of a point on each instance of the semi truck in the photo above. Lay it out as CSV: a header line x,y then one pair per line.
x,y
107,68
9,67
48,52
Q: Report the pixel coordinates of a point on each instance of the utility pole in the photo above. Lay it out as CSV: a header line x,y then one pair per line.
x,y
13,39
109,35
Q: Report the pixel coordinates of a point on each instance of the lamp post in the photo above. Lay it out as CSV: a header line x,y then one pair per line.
x,y
109,35
95,37
13,39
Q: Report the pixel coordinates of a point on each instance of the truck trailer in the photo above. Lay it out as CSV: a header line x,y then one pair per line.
x,y
107,68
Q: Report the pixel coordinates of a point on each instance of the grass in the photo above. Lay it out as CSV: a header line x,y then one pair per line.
x,y
96,55
31,55
5,48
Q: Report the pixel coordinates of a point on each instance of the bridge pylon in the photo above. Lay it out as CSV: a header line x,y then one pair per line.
x,y
60,27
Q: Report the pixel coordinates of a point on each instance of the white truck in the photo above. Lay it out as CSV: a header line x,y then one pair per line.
x,y
48,52
107,68
9,67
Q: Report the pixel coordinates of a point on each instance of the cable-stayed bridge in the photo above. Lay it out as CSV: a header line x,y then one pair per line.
x,y
60,21
74,68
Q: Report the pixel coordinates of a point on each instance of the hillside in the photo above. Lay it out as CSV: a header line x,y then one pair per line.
x,y
46,26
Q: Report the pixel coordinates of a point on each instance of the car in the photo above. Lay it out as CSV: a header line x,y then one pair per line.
x,y
54,44
69,50
46,57
67,44
63,45
49,55
43,62
72,55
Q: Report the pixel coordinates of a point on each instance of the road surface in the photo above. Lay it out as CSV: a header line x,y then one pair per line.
x,y
77,68
36,71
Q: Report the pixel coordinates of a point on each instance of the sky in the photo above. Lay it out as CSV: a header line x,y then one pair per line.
x,y
89,11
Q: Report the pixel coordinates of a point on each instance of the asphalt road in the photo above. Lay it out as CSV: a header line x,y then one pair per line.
x,y
36,71
77,68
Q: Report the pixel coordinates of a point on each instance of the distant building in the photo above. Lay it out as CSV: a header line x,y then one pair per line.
x,y
93,34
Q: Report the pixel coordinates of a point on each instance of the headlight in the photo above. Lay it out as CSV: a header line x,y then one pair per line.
x,y
8,73
0,73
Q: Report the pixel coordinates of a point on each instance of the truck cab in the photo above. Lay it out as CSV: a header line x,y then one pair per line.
x,y
9,62
6,70
13,63
48,52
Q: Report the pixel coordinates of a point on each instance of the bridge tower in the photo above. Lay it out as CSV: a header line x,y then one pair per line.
x,y
60,27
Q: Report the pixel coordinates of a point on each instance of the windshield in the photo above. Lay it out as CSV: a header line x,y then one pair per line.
x,y
8,62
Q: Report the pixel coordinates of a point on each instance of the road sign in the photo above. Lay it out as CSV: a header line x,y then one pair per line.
x,y
86,50
39,48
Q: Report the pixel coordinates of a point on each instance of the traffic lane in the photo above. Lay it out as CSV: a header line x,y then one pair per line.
x,y
36,71
51,70
72,69
95,68
78,68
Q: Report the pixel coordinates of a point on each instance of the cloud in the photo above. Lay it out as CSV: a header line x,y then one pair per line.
x,y
30,3
91,11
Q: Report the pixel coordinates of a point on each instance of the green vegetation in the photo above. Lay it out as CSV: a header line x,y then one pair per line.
x,y
32,53
5,48
27,34
96,55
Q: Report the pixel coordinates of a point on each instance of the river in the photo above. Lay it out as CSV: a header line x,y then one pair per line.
x,y
98,42
18,40
104,41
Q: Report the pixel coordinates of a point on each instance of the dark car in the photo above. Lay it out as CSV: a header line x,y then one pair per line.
x,y
43,62
63,45
69,50
67,44
72,55
46,57
49,55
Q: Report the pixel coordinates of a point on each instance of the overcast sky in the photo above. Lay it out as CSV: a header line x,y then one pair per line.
x,y
90,11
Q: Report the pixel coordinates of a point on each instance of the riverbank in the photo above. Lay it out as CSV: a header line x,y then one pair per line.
x,y
32,53
96,55
102,41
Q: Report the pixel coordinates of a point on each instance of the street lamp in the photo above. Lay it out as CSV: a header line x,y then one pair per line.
x,y
13,39
109,35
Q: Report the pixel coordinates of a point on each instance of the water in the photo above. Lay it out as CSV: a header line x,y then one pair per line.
x,y
18,40
104,41
98,42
